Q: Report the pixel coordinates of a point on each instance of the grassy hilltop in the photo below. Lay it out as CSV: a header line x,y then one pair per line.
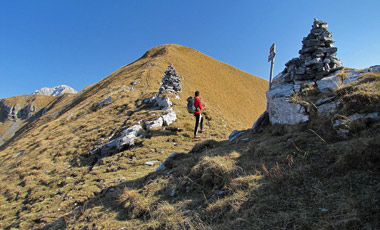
x,y
304,176
46,169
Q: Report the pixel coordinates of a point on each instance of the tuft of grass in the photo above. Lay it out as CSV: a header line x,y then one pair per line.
x,y
361,96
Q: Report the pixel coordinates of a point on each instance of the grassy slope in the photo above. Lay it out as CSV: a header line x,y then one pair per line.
x,y
46,170
287,177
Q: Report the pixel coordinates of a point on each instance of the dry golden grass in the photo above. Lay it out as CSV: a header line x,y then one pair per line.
x,y
47,163
287,177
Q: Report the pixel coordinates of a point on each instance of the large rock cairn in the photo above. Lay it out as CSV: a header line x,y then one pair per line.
x,y
316,67
317,70
317,57
171,81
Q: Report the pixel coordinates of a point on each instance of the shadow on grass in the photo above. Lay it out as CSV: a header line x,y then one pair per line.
x,y
273,180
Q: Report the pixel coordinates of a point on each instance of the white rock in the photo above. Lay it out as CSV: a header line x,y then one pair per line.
x,y
328,84
283,112
327,108
150,163
155,123
279,79
128,136
351,76
284,90
164,103
169,117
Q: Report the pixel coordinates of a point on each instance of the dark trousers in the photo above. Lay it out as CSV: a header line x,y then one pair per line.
x,y
198,122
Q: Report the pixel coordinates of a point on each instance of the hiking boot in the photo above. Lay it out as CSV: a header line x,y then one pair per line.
x,y
202,130
196,136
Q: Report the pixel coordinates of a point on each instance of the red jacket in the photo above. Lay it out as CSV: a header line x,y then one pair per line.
x,y
197,105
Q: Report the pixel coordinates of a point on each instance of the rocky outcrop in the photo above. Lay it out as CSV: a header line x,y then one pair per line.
x,y
55,91
99,105
316,71
16,112
286,105
171,81
7,112
342,125
316,68
125,140
168,117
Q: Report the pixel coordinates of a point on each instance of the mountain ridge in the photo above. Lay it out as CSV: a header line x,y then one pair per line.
x,y
48,159
55,91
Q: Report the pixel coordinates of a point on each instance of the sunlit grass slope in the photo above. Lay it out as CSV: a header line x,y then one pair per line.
x,y
303,176
46,170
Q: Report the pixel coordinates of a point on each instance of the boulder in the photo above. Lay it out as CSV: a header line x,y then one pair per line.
x,y
235,134
283,112
329,84
284,90
126,139
128,136
162,165
163,103
168,117
261,122
158,122
327,108
352,76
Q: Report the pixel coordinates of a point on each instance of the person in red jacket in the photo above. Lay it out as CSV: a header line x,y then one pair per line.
x,y
198,116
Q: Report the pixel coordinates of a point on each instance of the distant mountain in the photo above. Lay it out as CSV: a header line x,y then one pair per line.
x,y
55,91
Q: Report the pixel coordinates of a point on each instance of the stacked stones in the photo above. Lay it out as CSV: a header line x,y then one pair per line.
x,y
317,57
171,82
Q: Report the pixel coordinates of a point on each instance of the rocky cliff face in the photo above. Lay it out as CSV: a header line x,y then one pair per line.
x,y
15,112
55,91
18,111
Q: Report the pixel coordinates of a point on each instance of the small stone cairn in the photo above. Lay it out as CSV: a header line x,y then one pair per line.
x,y
317,57
171,81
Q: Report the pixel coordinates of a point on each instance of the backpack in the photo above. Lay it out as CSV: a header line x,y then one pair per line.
x,y
190,105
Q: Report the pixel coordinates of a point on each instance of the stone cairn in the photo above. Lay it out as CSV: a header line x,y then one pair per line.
x,y
317,57
171,81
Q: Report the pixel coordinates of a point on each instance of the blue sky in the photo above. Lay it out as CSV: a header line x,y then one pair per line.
x,y
44,43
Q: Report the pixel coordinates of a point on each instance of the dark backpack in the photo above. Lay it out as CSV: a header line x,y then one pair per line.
x,y
190,105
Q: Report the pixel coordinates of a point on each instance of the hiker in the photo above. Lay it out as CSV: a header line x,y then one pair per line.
x,y
198,115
